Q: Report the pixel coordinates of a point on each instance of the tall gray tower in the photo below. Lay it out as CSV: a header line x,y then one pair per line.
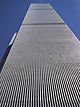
x,y
43,65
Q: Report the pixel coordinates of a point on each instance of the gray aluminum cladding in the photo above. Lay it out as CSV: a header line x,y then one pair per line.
x,y
42,68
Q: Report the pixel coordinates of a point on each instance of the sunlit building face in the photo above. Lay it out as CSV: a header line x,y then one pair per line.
x,y
41,65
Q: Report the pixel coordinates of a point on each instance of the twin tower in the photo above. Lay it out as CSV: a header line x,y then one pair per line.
x,y
43,65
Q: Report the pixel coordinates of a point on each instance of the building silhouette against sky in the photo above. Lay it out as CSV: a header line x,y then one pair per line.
x,y
41,67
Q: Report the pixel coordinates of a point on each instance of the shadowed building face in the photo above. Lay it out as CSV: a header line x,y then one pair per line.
x,y
42,68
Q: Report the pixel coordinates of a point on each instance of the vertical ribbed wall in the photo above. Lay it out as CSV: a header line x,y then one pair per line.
x,y
42,68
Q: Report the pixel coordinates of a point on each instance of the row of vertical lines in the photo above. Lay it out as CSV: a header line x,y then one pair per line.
x,y
40,83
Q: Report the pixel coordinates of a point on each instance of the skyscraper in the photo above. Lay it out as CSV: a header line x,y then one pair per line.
x,y
42,68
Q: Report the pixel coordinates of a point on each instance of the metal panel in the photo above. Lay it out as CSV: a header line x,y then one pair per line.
x,y
45,15
40,82
42,17
45,40
40,6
